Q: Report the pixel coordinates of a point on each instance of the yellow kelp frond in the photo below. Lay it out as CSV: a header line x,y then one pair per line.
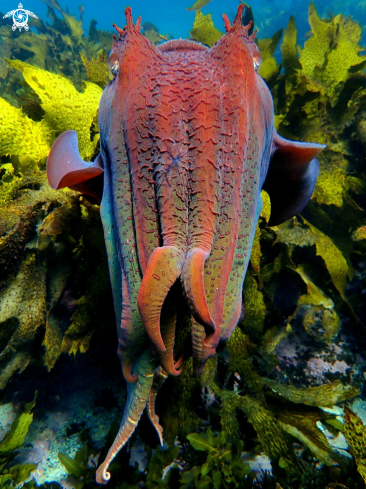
x,y
355,433
23,137
256,253
9,184
240,350
269,68
65,107
314,296
326,395
331,184
255,309
359,234
314,54
270,435
320,320
334,260
16,475
204,30
302,425
290,59
266,209
292,233
75,26
97,69
198,5
331,51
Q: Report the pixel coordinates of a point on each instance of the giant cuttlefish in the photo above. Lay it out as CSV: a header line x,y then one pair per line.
x,y
187,141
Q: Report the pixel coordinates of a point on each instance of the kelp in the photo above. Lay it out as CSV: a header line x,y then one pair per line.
x,y
355,433
14,438
311,248
272,424
326,395
78,466
199,4
204,30
55,47
65,108
97,69
44,270
269,68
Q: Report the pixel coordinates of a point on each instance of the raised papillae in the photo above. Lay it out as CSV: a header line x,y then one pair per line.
x,y
187,143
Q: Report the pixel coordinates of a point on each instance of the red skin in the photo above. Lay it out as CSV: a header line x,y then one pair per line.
x,y
187,117
187,136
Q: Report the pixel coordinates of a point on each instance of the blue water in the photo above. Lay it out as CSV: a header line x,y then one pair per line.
x,y
171,17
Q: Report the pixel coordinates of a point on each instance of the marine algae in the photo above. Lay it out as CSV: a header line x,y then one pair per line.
x,y
308,106
65,108
37,274
97,69
29,141
204,30
14,438
355,433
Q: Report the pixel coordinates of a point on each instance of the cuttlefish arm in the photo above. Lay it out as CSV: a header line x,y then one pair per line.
x,y
137,397
291,177
159,378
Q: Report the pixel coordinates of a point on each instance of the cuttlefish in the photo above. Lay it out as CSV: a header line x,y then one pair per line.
x,y
187,142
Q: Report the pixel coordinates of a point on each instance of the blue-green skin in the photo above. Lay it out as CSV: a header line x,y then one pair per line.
x,y
118,224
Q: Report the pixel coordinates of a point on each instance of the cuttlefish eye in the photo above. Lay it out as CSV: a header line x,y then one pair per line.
x,y
113,63
257,58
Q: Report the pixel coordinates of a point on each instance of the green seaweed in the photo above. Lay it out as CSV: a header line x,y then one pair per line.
x,y
355,433
204,30
14,439
78,466
223,467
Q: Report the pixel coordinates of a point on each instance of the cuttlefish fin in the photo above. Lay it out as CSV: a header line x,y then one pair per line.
x,y
66,168
159,378
291,178
137,397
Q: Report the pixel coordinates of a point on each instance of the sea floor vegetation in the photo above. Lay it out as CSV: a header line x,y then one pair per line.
x,y
281,405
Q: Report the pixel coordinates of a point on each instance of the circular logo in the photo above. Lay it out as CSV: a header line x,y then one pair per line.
x,y
20,19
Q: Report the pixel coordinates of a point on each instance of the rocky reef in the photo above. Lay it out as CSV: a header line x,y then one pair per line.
x,y
281,388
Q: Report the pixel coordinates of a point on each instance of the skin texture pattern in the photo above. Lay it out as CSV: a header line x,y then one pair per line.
x,y
187,142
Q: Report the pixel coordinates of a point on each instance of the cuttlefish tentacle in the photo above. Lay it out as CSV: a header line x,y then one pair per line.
x,y
200,352
168,324
159,378
137,397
